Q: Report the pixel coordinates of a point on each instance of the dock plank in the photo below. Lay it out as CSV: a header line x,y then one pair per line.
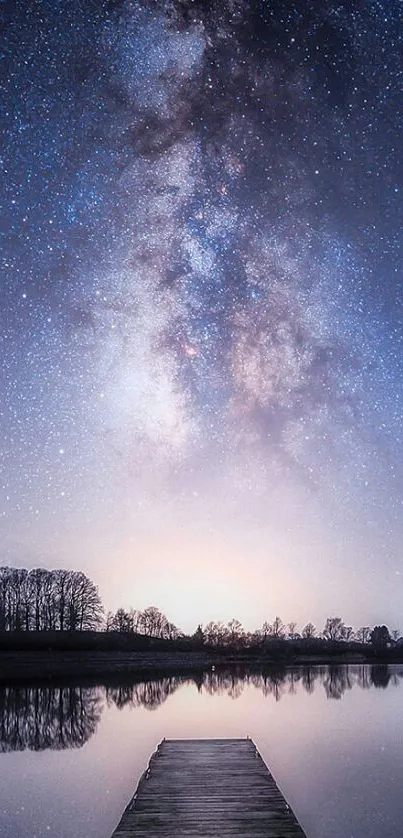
x,y
208,788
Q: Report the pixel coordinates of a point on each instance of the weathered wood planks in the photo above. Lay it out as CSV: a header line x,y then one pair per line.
x,y
201,788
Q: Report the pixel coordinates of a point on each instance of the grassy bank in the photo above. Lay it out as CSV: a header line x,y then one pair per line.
x,y
94,666
27,656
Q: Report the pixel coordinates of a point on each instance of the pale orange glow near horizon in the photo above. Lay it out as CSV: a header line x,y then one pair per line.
x,y
194,578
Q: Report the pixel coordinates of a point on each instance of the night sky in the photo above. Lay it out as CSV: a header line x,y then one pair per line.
x,y
201,304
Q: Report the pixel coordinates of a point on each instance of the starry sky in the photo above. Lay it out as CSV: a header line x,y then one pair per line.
x,y
201,303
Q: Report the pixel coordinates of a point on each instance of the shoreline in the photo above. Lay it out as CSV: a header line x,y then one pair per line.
x,y
49,666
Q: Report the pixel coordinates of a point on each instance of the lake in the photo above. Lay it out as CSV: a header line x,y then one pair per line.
x,y
70,757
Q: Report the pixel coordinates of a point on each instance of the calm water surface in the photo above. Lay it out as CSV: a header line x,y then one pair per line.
x,y
333,738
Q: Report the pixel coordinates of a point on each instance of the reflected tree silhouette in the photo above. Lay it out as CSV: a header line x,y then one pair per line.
x,y
364,677
220,682
274,685
337,680
295,678
236,688
308,678
148,694
37,718
380,675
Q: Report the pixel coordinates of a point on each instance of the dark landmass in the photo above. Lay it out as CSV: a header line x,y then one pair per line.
x,y
44,656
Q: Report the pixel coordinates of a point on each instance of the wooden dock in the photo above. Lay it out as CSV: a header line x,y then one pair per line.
x,y
205,788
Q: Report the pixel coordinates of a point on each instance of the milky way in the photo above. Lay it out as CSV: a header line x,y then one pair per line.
x,y
202,295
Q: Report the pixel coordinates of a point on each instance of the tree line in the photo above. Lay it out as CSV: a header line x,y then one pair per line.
x,y
67,600
153,623
48,600
335,630
150,622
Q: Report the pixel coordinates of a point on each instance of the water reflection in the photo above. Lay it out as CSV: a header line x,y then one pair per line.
x,y
47,717
335,680
37,718
149,694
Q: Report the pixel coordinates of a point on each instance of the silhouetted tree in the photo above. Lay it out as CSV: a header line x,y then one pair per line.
x,y
309,631
16,599
120,621
84,607
153,623
172,632
265,630
216,634
4,584
24,604
292,632
380,675
198,636
363,634
47,600
380,637
348,633
235,633
109,621
334,629
276,629
62,581
224,635
37,584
